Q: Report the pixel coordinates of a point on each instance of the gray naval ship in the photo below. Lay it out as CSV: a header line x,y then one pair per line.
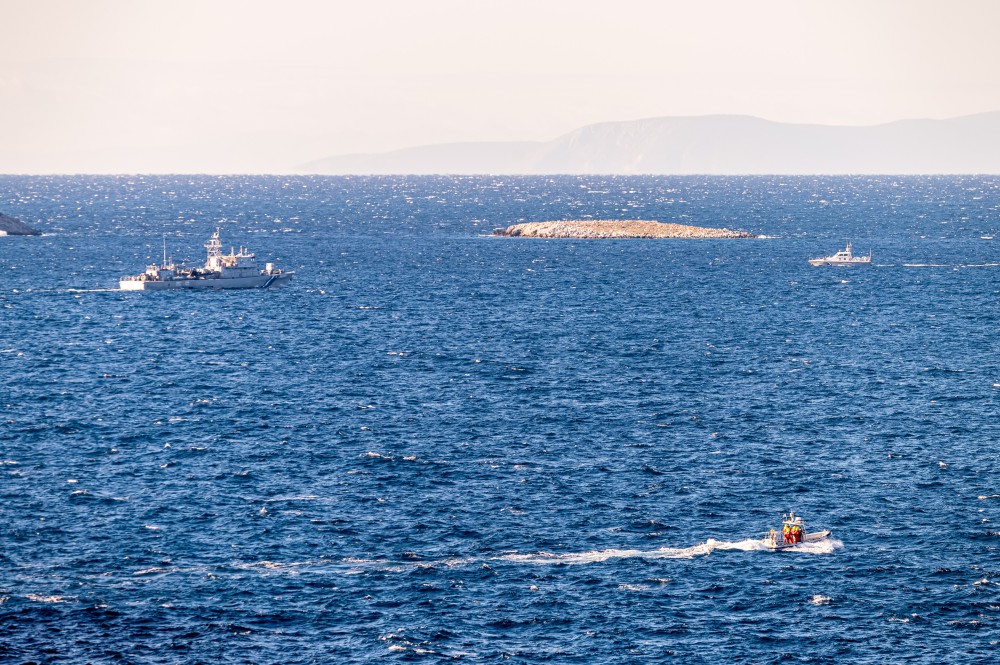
x,y
221,271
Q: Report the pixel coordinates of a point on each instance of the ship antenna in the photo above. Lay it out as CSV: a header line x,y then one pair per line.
x,y
164,250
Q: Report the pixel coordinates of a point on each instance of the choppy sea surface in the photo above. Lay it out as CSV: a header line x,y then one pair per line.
x,y
436,445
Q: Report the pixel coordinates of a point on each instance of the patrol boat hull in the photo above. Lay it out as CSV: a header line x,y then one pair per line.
x,y
793,534
844,257
255,282
809,538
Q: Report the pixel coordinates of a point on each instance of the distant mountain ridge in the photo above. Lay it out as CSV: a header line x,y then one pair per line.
x,y
711,145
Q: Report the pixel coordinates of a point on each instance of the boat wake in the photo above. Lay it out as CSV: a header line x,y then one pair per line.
x,y
356,566
596,556
825,546
71,289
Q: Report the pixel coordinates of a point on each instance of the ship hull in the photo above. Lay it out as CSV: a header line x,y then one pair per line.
x,y
778,545
834,262
254,282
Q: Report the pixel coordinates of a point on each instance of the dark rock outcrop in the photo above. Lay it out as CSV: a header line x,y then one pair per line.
x,y
15,227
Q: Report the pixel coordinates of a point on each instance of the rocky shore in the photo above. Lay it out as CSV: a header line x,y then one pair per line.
x,y
15,227
602,229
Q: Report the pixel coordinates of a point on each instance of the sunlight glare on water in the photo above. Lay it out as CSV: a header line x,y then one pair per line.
x,y
435,444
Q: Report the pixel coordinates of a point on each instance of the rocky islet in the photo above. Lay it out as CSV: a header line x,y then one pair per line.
x,y
614,229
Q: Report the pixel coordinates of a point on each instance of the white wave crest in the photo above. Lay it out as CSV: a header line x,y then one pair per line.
x,y
155,571
49,599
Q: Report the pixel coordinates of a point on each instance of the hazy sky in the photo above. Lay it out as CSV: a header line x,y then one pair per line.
x,y
247,86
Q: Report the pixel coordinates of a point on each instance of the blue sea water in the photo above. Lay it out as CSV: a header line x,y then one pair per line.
x,y
437,445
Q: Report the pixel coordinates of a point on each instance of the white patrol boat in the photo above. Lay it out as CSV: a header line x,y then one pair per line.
x,y
793,533
221,271
843,258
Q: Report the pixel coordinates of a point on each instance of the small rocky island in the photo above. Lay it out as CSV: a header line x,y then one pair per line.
x,y
612,229
15,227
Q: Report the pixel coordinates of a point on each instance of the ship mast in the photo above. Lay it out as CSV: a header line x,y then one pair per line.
x,y
214,245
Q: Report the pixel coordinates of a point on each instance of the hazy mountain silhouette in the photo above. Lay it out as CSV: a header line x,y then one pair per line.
x,y
716,144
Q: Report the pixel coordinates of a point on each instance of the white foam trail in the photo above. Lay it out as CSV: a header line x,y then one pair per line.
x,y
701,549
825,546
355,566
